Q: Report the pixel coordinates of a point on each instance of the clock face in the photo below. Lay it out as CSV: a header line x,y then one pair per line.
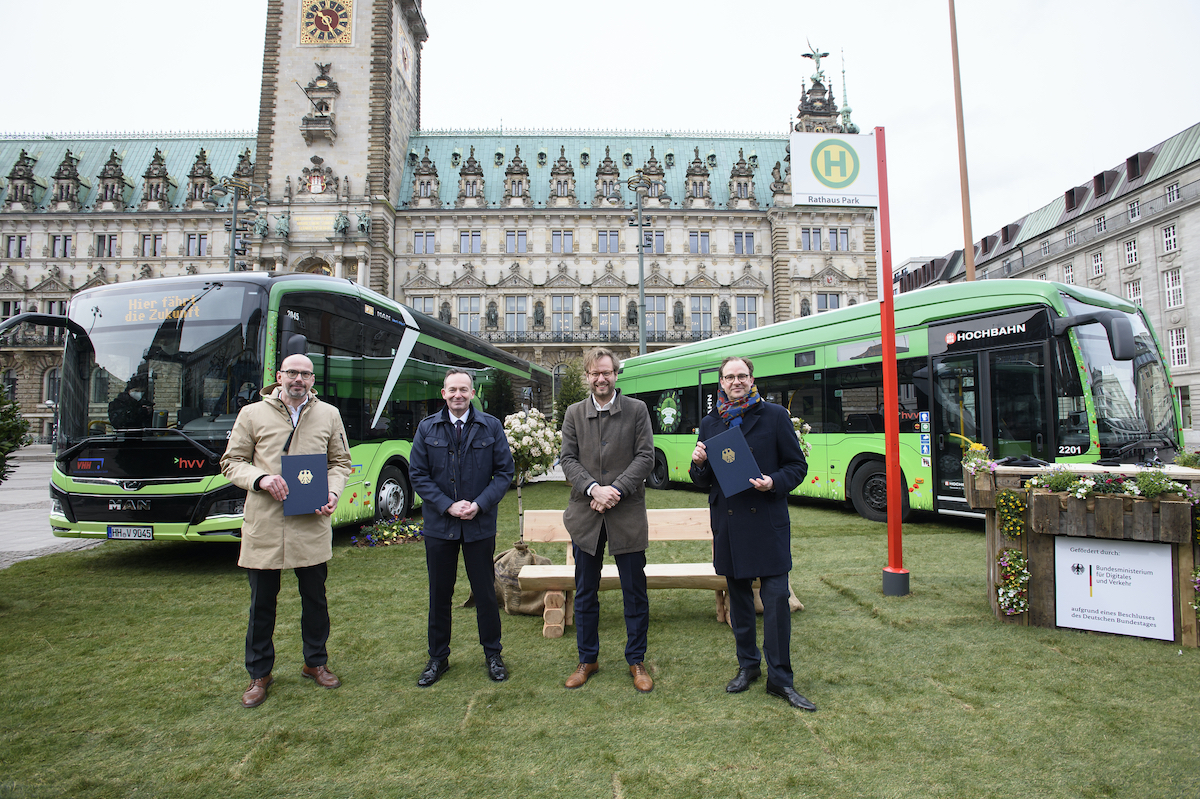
x,y
326,21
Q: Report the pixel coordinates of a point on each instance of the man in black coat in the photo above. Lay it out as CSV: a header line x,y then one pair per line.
x,y
751,529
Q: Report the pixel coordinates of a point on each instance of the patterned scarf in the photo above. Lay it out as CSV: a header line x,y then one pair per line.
x,y
731,411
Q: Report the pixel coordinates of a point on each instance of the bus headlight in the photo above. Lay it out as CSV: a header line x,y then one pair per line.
x,y
225,507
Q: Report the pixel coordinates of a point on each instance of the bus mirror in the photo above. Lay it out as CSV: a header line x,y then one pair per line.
x,y
1116,325
294,344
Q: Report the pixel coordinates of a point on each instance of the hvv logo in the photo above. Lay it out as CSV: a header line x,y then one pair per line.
x,y
189,463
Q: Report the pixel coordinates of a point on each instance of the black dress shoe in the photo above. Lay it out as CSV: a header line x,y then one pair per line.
x,y
434,670
789,695
743,679
496,669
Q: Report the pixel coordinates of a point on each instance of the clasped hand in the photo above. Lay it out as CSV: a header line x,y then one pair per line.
x,y
604,498
463,509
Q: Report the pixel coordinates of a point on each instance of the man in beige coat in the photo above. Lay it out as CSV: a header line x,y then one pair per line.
x,y
607,454
290,419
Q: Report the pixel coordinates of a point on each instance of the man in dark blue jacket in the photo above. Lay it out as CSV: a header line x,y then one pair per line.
x,y
752,534
461,467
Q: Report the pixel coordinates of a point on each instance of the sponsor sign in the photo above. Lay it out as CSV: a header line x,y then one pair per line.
x,y
1121,587
834,169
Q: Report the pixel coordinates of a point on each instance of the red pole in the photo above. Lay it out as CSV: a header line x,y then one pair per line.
x,y
895,576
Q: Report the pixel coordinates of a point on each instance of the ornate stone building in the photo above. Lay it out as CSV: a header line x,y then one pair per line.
x,y
522,237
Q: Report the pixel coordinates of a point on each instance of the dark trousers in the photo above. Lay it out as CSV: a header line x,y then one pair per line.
x,y
441,560
632,568
777,625
314,617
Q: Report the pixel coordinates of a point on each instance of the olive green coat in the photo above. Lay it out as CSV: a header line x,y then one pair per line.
x,y
271,540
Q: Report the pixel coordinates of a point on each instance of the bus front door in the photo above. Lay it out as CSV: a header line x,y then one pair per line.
x,y
955,424
1020,404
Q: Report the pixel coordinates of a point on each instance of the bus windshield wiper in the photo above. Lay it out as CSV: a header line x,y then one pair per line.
x,y
1151,443
66,454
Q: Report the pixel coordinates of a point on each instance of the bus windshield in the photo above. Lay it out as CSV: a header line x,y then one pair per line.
x,y
187,356
1132,398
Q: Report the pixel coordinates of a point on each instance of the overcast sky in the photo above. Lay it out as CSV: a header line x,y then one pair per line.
x,y
1054,90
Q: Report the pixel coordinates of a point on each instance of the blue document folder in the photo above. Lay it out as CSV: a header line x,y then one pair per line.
x,y
307,477
731,461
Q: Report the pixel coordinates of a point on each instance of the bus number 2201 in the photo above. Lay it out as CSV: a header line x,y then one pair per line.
x,y
1070,449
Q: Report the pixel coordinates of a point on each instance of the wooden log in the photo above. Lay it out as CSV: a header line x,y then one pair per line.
x,y
554,615
1110,517
1185,555
658,575
552,631
554,599
1040,556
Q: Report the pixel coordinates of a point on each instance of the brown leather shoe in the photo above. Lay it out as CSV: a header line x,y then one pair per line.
x,y
323,676
581,674
256,694
641,678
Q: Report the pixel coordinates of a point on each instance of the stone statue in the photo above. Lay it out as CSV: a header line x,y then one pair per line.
x,y
539,314
364,222
444,313
777,174
493,317
678,312
816,55
341,223
723,313
805,307
585,314
631,314
261,226
283,225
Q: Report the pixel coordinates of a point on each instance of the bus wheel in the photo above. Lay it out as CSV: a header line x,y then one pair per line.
x,y
391,495
660,477
868,492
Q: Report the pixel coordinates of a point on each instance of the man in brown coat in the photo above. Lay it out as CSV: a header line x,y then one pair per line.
x,y
289,419
607,454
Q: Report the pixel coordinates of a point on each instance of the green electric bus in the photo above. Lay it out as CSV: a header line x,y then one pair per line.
x,y
1029,368
155,372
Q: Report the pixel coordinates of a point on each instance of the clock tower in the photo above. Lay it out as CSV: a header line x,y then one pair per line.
x,y
340,98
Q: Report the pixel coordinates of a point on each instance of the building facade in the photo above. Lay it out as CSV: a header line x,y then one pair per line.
x,y
524,238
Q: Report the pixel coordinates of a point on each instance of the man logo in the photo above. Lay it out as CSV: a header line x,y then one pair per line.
x,y
1078,568
305,476
834,163
950,338
728,455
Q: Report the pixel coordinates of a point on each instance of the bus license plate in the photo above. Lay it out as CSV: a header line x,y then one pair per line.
x,y
134,533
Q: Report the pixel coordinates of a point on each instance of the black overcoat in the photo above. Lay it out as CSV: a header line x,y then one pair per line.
x,y
752,534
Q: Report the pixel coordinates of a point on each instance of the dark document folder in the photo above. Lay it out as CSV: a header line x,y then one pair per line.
x,y
307,478
731,461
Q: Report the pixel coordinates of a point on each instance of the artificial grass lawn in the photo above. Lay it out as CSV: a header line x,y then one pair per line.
x,y
123,670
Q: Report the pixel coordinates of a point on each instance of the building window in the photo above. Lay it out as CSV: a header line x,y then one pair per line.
x,y
424,186
609,188
514,241
701,314
1131,252
1133,291
1068,273
1177,344
18,247
1173,285
514,314
106,245
1101,224
423,304
197,245
1071,237
1172,192
469,241
1185,405
1135,210
562,310
1041,276
518,188
828,302
472,187
468,314
153,245
10,384
423,242
608,313
1169,242
656,314
743,243
53,380
698,242
1097,264
60,246
562,241
654,189
839,239
608,241
1046,247
810,238
698,188
655,241
561,188
9,308
747,313
100,385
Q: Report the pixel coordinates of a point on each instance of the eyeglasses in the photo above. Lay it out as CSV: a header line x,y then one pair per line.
x,y
742,378
292,374
601,374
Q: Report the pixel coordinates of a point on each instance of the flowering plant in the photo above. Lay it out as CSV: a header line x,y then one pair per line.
x,y
386,533
1153,482
977,459
1010,513
1189,460
1011,592
1114,484
1058,478
802,429
1195,603
533,441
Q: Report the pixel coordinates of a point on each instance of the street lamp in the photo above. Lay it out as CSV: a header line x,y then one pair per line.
x,y
640,185
240,187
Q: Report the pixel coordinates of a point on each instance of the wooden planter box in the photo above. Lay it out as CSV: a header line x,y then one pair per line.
x,y
1166,520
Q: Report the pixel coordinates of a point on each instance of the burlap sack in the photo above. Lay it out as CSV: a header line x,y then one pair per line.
x,y
507,566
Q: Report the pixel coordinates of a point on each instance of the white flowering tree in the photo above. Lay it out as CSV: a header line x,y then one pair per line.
x,y
535,444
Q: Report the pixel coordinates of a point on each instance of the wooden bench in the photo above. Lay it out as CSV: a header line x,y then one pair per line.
x,y
670,524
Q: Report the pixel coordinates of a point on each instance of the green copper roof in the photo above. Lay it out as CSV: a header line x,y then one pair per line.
x,y
540,150
136,151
